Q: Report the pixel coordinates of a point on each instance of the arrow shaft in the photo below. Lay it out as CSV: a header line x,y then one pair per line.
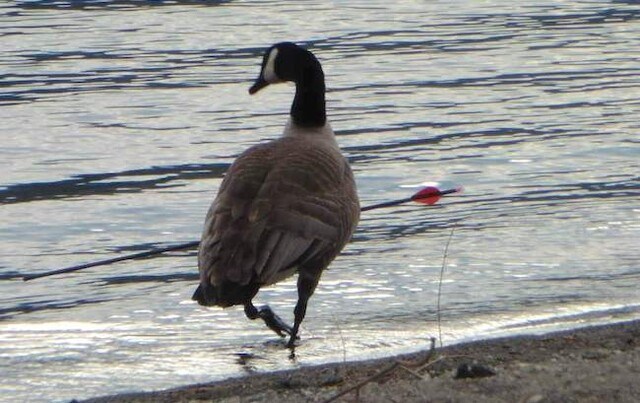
x,y
448,191
189,245
139,255
386,204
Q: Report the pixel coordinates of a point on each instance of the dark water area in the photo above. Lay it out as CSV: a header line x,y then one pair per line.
x,y
119,119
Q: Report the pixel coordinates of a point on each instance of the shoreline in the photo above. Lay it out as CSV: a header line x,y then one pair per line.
x,y
589,364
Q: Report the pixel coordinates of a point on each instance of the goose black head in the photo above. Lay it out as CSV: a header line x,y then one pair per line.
x,y
286,61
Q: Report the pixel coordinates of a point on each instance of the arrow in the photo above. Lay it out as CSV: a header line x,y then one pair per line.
x,y
427,195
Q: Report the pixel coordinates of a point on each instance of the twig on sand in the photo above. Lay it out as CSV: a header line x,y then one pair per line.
x,y
444,264
344,346
406,365
412,372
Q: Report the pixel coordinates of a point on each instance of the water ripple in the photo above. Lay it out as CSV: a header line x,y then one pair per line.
x,y
104,183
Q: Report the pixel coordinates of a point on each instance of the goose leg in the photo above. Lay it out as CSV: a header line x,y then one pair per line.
x,y
273,321
306,286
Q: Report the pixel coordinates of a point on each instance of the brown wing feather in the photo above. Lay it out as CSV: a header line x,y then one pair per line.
x,y
281,204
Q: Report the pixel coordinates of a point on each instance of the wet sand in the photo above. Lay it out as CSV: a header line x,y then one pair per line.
x,y
593,364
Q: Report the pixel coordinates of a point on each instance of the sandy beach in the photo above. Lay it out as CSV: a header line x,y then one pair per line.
x,y
592,364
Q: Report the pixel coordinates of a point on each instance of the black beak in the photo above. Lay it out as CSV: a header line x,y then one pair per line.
x,y
258,85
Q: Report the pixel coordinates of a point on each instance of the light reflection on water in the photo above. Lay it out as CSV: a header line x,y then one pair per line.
x,y
120,118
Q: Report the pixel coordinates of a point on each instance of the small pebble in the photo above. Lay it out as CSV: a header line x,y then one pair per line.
x,y
534,399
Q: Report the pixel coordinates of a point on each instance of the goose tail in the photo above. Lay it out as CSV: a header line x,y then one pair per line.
x,y
206,295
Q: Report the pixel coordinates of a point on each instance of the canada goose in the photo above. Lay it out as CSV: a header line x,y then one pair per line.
x,y
286,206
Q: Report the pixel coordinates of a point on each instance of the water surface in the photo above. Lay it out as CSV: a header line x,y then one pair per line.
x,y
120,118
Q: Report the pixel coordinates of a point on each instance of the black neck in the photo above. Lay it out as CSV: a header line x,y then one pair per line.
x,y
308,108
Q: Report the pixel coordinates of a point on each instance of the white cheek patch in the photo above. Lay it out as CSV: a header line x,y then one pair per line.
x,y
269,72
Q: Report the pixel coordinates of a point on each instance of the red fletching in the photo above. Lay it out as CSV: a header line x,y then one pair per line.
x,y
427,195
430,194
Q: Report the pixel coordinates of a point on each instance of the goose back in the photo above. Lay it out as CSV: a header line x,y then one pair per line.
x,y
283,206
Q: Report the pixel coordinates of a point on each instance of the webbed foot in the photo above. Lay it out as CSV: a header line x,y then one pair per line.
x,y
274,322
